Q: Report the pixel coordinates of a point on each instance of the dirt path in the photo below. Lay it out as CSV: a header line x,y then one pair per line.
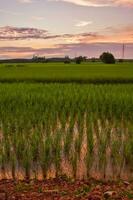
x,y
64,189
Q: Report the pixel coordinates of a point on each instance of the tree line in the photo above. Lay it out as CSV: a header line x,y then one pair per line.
x,y
105,57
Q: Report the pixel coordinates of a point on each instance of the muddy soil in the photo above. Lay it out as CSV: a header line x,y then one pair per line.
x,y
65,189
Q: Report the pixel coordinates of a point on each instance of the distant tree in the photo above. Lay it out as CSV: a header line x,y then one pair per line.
x,y
84,58
46,60
67,60
108,58
120,60
93,59
79,59
38,59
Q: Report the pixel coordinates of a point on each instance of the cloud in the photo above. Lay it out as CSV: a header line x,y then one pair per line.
x,y
10,12
120,29
99,3
89,50
25,1
110,34
9,33
37,18
15,33
83,23
28,52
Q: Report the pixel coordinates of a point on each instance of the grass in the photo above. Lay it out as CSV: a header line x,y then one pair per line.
x,y
67,73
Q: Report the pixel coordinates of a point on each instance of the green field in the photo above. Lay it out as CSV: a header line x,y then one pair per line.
x,y
59,72
86,127
80,130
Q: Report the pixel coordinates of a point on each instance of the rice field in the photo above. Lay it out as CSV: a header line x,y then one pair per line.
x,y
67,73
52,130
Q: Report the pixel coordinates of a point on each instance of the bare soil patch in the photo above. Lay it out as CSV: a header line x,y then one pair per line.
x,y
65,189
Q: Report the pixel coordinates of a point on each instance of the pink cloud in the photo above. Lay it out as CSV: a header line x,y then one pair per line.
x,y
110,34
99,3
89,43
89,50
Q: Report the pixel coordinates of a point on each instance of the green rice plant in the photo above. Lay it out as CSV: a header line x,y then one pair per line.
x,y
102,151
116,152
2,161
27,160
74,160
90,145
122,137
34,141
69,137
13,166
128,152
45,149
57,150
80,124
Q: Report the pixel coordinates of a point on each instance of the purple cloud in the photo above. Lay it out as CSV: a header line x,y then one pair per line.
x,y
89,50
18,33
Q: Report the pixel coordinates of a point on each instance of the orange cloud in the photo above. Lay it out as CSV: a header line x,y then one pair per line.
x,y
21,42
110,34
89,50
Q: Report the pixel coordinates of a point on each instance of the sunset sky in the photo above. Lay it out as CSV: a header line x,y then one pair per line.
x,y
65,27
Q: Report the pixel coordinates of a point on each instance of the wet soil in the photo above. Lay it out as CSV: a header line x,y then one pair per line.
x,y
65,189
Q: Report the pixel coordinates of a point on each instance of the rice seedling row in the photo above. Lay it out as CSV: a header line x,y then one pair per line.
x,y
81,131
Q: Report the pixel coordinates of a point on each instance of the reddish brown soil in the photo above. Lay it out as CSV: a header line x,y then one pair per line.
x,y
64,189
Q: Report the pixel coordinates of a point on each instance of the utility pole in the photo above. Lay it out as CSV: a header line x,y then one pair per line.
x,y
123,51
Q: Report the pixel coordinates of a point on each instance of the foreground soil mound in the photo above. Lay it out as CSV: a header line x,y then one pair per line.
x,y
65,189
